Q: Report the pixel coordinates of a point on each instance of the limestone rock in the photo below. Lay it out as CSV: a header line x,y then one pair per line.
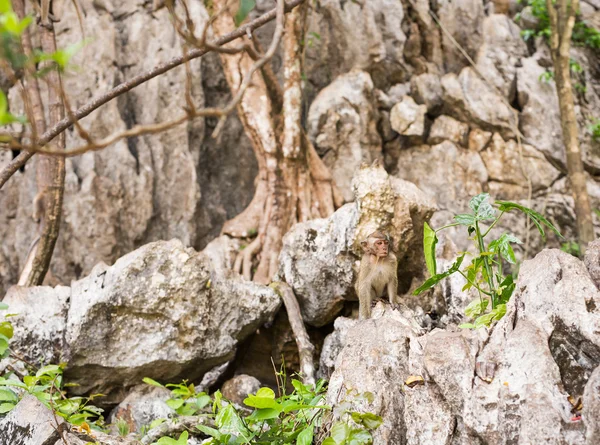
x,y
408,118
463,20
239,387
427,90
505,164
30,423
160,312
478,139
342,124
469,99
500,53
447,128
591,408
333,345
142,406
592,261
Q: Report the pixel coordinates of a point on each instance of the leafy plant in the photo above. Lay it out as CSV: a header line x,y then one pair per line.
x,y
595,129
485,272
184,400
571,247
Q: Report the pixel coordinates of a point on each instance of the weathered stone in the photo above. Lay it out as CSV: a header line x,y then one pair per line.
x,y
592,261
478,139
500,53
446,128
30,423
463,21
342,124
408,118
591,408
239,387
427,90
141,407
459,174
375,360
332,347
337,51
505,164
469,99
160,311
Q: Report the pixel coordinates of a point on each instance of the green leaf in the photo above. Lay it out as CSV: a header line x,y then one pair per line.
x,y
476,308
6,407
369,420
340,432
6,395
465,219
264,398
228,421
466,326
3,306
5,6
3,344
245,7
305,437
49,370
156,422
537,218
439,277
506,289
266,413
202,400
359,437
149,381
175,403
6,329
329,441
429,242
210,432
476,202
502,246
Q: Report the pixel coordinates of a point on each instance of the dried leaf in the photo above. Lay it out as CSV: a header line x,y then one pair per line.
x,y
414,380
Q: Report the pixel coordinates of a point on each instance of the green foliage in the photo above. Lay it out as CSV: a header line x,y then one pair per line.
x,y
184,400
572,248
244,9
122,427
485,271
295,418
595,130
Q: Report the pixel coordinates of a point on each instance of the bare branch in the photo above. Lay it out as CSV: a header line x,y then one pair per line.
x,y
124,87
306,349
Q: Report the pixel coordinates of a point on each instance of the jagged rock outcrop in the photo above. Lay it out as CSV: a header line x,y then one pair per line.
x,y
318,257
509,384
161,311
342,126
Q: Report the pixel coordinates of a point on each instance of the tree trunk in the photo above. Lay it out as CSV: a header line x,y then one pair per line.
x,y
562,19
50,175
293,184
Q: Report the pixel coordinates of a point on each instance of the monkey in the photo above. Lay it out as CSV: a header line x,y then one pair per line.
x,y
378,272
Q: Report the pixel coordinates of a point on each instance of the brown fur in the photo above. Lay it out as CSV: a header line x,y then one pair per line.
x,y
377,273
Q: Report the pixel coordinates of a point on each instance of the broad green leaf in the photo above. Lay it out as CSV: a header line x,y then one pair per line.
x,y
6,407
149,381
156,422
476,308
3,306
359,437
502,247
499,311
3,344
340,432
305,437
245,7
506,289
210,432
429,242
228,421
439,277
484,320
6,395
266,413
187,410
329,441
49,370
174,403
6,329
264,398
466,326
369,420
202,400
537,218
5,6
266,392
465,219
15,383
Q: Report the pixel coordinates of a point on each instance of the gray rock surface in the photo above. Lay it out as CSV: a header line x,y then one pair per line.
x,y
160,312
592,261
239,387
447,128
591,408
141,407
408,118
30,423
342,124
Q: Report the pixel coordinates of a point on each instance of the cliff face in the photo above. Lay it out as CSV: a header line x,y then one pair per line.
x,y
383,81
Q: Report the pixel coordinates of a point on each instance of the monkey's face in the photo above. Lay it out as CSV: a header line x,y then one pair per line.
x,y
380,248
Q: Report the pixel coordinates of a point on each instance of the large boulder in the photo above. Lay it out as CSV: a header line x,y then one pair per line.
x,y
342,125
161,311
318,258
